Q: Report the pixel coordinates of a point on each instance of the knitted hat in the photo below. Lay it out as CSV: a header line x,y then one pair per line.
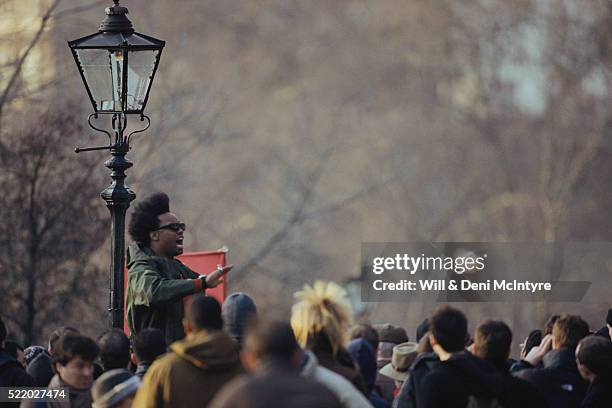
x,y
112,387
32,352
237,309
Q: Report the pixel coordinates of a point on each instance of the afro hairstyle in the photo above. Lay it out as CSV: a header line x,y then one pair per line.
x,y
144,217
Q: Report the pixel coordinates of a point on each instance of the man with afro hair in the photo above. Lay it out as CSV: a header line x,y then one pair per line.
x,y
157,282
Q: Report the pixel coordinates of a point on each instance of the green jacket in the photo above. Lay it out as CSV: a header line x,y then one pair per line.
x,y
155,290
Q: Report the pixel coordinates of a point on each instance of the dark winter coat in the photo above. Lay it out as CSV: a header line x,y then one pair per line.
x,y
12,373
599,394
603,332
410,392
518,393
340,362
275,385
362,353
155,291
384,385
558,379
348,395
190,375
451,383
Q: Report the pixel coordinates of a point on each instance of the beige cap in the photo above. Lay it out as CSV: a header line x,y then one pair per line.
x,y
403,356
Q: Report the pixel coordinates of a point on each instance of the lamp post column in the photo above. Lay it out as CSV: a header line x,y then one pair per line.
x,y
118,198
117,66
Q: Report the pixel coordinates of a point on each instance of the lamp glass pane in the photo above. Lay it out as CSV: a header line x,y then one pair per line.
x,y
103,73
140,68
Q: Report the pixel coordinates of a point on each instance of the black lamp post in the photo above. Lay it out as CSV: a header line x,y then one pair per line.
x,y
117,66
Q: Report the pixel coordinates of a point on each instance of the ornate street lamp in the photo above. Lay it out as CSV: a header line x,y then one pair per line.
x,y
117,66
354,288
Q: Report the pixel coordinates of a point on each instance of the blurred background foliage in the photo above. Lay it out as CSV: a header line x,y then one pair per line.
x,y
292,131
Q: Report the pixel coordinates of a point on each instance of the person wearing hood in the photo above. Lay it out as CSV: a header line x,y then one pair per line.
x,y
16,351
197,367
552,367
594,360
459,378
157,282
492,343
271,354
238,308
362,353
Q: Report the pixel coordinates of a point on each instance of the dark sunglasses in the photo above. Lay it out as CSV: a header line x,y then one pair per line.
x,y
175,226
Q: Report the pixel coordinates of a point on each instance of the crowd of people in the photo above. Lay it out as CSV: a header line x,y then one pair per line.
x,y
230,357
208,355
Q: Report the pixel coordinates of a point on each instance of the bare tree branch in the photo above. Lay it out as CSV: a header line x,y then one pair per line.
x,y
78,9
20,61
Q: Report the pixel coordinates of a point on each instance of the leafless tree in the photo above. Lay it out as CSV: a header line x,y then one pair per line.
x,y
54,224
55,221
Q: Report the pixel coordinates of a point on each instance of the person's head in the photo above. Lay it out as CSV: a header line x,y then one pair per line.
x,y
57,335
492,342
548,327
367,332
594,357
534,338
114,389
237,309
154,226
30,353
269,341
16,351
425,344
203,313
609,322
322,314
422,329
448,330
389,333
389,336
385,352
3,333
568,330
148,344
363,355
114,349
73,359
403,356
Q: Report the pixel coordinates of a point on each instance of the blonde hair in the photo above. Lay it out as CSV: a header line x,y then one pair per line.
x,y
322,307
